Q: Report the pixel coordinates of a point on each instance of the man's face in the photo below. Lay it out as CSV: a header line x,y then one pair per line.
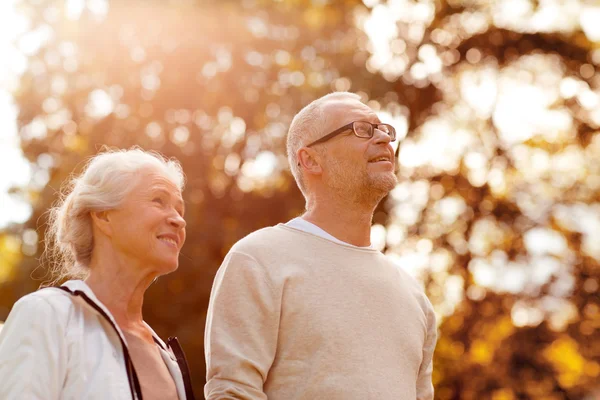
x,y
361,167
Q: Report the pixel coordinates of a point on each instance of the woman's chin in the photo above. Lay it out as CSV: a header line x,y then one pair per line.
x,y
171,267
164,267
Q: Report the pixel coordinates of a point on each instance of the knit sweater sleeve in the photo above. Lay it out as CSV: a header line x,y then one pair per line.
x,y
241,330
424,383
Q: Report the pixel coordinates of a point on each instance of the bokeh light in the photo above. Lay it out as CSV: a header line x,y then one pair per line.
x,y
497,109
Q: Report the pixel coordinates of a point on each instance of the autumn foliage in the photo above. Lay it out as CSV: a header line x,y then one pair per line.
x,y
498,207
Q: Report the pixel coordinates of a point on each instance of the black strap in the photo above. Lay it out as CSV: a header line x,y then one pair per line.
x,y
173,343
134,382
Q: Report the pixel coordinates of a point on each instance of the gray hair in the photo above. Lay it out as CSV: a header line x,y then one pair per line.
x,y
103,185
307,125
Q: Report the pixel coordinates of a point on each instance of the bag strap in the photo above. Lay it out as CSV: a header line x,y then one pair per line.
x,y
173,343
132,377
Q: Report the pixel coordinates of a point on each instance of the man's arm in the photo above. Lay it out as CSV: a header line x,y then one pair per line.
x,y
241,330
424,384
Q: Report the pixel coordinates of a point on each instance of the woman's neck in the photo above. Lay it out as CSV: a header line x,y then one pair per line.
x,y
120,285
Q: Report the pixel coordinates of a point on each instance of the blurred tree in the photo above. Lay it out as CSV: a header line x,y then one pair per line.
x,y
497,208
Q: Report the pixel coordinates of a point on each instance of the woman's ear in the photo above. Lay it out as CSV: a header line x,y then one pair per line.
x,y
101,220
309,161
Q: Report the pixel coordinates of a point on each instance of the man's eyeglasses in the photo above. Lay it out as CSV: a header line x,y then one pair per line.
x,y
362,129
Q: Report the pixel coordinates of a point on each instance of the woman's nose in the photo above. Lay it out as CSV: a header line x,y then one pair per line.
x,y
177,221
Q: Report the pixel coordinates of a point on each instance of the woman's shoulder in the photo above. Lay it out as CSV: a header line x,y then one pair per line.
x,y
45,301
45,312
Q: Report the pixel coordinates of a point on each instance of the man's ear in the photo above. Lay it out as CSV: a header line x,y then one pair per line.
x,y
309,161
101,220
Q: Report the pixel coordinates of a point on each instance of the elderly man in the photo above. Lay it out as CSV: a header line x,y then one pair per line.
x,y
309,310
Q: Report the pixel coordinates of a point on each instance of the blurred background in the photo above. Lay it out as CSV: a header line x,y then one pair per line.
x,y
497,104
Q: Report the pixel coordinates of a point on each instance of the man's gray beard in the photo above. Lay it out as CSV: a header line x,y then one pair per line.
x,y
379,186
363,189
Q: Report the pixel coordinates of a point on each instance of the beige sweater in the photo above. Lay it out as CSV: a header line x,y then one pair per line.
x,y
293,316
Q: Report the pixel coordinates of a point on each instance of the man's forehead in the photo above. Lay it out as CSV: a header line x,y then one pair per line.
x,y
344,104
343,111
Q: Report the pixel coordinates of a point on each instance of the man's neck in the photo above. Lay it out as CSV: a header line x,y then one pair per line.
x,y
350,223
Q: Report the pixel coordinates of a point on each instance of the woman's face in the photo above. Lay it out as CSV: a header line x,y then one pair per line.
x,y
148,228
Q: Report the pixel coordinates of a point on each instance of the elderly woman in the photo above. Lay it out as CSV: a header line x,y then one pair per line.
x,y
119,228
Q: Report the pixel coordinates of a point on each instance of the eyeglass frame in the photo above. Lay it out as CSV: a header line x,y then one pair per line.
x,y
350,126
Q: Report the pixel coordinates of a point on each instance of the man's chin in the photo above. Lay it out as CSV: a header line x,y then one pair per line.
x,y
385,182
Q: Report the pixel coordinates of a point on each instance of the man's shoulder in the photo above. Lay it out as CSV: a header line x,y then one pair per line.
x,y
261,239
415,286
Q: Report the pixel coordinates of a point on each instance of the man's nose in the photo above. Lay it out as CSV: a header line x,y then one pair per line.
x,y
380,136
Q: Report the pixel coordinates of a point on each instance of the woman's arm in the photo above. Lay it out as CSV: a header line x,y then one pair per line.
x,y
33,351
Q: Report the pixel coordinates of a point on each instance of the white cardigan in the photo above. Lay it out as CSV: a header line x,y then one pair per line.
x,y
64,344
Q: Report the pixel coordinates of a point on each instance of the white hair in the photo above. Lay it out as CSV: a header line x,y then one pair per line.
x,y
103,185
307,125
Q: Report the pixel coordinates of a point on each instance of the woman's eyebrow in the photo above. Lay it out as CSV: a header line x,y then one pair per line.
x,y
168,193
